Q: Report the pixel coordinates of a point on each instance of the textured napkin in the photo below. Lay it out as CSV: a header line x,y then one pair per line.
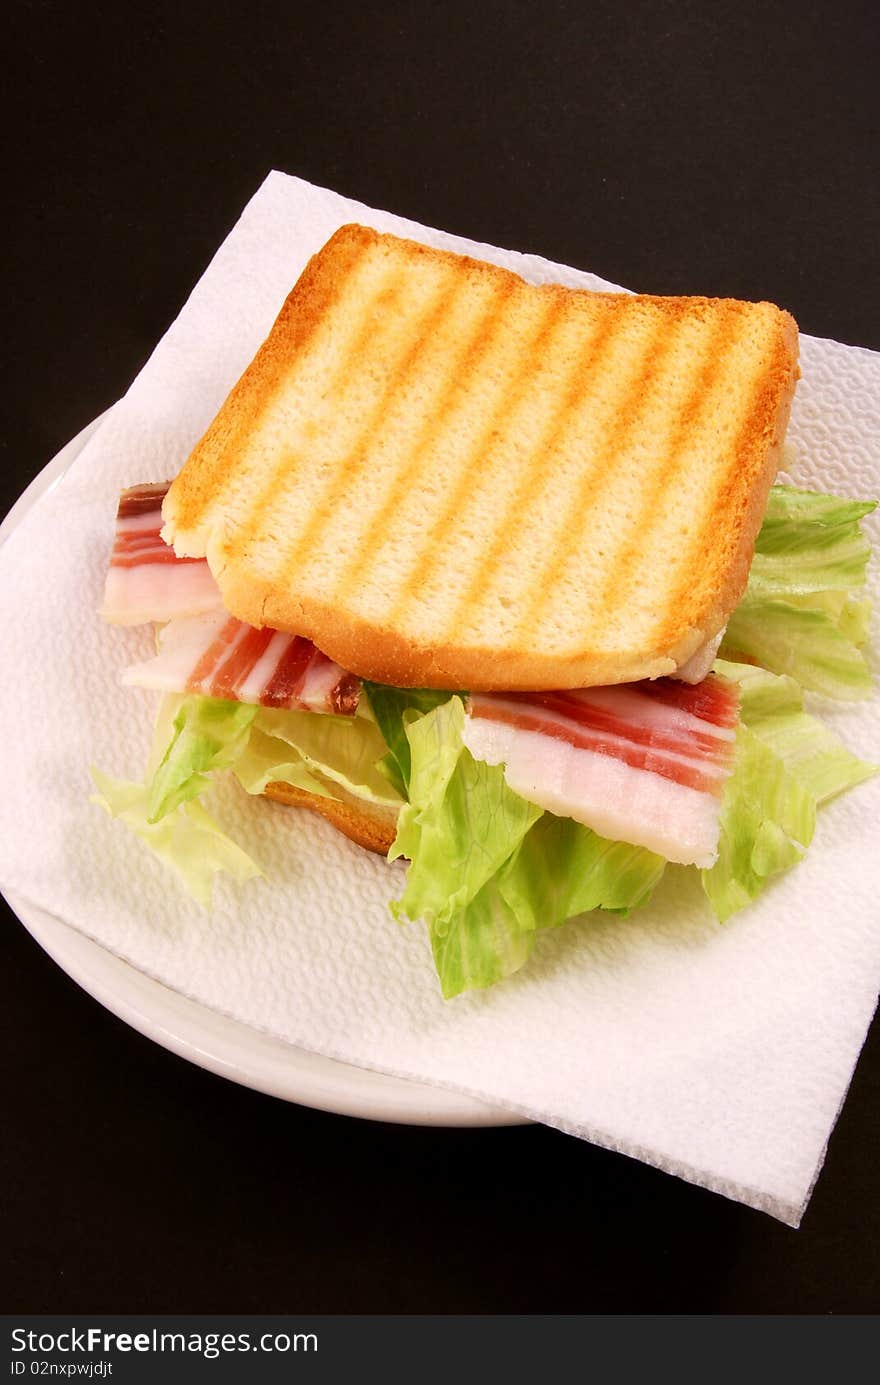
x,y
721,1054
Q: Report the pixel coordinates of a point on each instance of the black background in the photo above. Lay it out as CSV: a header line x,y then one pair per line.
x,y
724,148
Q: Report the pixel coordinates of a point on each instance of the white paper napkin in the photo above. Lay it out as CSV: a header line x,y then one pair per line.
x,y
721,1054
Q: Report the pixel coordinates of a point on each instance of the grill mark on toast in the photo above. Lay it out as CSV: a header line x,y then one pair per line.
x,y
755,418
595,481
386,297
367,549
618,574
422,472
427,557
323,286
544,458
358,453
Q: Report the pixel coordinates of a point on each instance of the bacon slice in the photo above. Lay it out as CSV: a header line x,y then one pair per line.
x,y
218,656
146,580
642,762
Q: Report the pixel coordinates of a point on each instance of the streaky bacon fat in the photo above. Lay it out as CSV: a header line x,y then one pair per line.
x,y
218,656
642,762
146,580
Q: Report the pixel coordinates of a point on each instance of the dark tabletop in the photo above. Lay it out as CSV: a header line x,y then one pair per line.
x,y
724,148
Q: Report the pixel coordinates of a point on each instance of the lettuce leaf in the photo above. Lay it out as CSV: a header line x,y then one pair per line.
x,y
487,868
799,615
560,870
268,760
207,734
195,737
787,763
482,943
564,869
317,752
187,838
809,542
392,708
461,823
804,640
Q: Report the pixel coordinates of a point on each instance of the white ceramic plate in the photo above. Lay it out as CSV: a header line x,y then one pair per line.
x,y
203,1036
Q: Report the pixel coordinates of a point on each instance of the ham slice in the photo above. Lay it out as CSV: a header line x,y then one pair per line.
x,y
642,762
218,656
146,580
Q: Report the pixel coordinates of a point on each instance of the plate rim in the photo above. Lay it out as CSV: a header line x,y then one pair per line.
x,y
204,1036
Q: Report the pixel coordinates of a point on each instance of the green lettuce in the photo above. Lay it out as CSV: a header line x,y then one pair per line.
x,y
318,752
800,614
196,737
207,734
487,868
461,823
787,763
564,869
809,542
187,838
392,708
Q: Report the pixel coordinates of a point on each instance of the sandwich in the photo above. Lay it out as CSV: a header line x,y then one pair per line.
x,y
453,566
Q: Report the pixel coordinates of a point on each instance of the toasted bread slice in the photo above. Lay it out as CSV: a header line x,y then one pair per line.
x,y
447,477
371,825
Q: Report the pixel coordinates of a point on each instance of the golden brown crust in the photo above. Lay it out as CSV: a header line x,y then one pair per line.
x,y
366,825
744,492
386,656
252,395
660,419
